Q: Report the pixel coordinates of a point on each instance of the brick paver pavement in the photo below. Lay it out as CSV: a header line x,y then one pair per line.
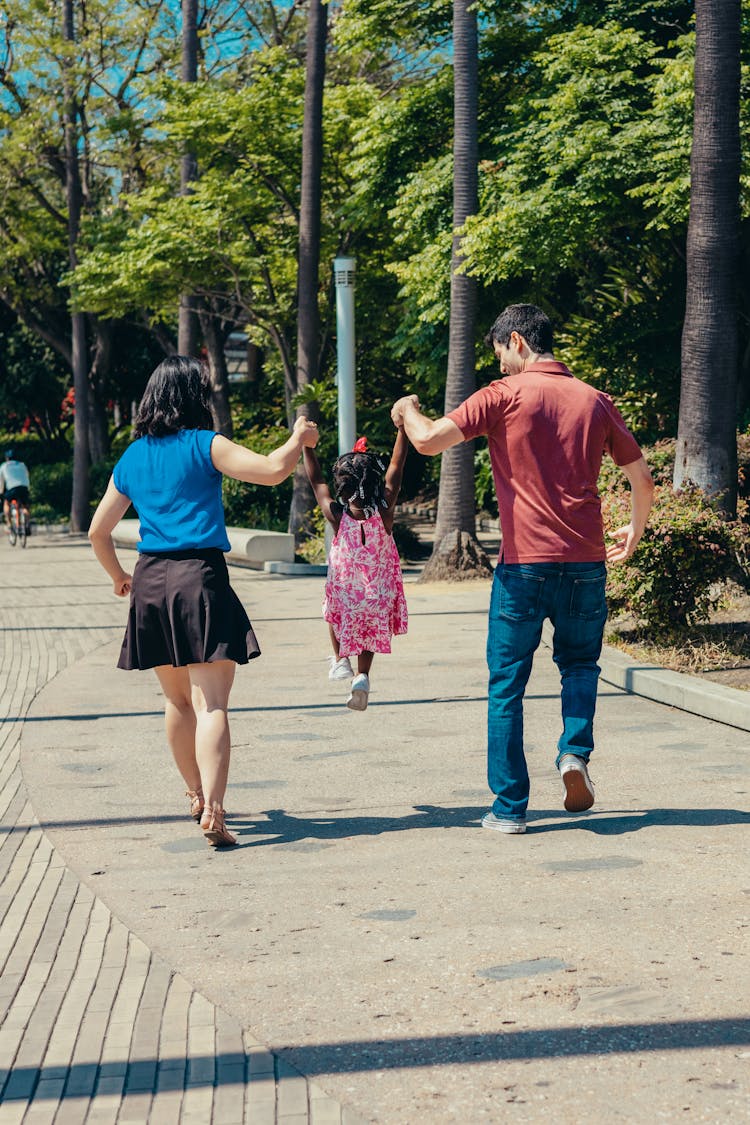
x,y
93,1027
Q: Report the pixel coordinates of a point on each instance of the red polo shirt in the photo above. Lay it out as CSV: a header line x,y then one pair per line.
x,y
547,433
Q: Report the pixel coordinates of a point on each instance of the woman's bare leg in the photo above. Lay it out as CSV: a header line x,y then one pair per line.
x,y
364,663
179,719
211,685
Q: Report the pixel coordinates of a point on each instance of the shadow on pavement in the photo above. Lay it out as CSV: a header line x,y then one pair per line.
x,y
277,826
149,1075
281,827
334,705
539,1043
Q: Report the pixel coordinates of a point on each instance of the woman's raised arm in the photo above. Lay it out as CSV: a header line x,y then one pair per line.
x,y
258,468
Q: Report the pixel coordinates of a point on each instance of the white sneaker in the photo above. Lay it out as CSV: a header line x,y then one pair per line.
x,y
357,700
503,824
579,788
340,669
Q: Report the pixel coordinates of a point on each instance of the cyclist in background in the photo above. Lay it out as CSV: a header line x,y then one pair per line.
x,y
14,485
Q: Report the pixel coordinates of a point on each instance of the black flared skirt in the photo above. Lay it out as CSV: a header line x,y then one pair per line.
x,y
183,611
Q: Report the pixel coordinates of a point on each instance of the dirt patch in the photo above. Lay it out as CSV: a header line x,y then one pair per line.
x,y
717,651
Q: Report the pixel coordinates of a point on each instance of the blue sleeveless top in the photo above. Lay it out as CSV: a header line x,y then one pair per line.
x,y
176,491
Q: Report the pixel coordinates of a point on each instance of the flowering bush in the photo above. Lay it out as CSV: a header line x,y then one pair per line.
x,y
687,552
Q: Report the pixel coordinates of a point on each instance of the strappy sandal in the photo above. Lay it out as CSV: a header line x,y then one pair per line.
x,y
214,828
197,804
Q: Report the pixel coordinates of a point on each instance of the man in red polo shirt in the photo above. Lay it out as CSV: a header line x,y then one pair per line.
x,y
547,433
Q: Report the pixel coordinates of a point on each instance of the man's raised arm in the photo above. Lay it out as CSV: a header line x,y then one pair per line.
x,y
427,436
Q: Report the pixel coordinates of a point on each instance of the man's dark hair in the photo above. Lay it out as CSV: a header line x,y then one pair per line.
x,y
528,321
176,398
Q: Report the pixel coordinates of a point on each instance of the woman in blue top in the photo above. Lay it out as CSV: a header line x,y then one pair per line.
x,y
185,620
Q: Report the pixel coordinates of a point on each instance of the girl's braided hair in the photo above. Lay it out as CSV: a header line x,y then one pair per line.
x,y
359,476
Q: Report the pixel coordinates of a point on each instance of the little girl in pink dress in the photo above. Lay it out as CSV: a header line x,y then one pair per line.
x,y
364,596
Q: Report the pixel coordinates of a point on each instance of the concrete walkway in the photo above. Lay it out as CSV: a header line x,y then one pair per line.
x,y
367,954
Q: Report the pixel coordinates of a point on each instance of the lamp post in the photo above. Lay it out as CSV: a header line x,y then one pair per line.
x,y
343,275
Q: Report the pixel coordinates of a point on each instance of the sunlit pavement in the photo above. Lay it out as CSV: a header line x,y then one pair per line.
x,y
367,953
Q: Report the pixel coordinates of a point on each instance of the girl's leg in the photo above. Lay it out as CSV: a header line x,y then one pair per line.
x,y
360,691
211,685
334,640
340,668
179,720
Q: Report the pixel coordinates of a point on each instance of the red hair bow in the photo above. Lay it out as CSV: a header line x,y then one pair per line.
x,y
360,445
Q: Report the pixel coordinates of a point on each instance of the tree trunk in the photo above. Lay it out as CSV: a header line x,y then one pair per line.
x,y
215,336
79,509
308,269
456,514
98,426
707,439
187,328
98,381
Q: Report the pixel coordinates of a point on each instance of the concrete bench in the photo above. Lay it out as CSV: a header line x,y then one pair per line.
x,y
248,546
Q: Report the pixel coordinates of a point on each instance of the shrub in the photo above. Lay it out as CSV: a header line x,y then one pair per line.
x,y
257,505
484,485
687,552
51,490
313,550
743,466
408,543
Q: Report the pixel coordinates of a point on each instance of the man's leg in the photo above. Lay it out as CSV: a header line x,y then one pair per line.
x,y
580,615
515,629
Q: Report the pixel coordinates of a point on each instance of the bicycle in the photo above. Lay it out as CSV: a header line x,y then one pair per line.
x,y
18,528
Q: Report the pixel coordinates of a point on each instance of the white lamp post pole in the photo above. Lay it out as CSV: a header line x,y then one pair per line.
x,y
343,274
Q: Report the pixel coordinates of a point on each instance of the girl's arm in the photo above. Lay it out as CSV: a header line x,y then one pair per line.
x,y
112,508
321,489
394,475
257,468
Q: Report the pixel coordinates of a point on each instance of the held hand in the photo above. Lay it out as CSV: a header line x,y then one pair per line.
x,y
307,432
625,545
122,586
397,410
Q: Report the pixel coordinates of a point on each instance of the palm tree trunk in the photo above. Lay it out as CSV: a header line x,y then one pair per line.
x,y
308,268
707,438
187,327
79,508
456,546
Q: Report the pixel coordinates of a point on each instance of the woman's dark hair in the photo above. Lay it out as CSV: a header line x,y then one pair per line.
x,y
176,398
360,477
528,321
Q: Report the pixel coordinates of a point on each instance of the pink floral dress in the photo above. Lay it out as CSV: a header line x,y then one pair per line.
x,y
364,594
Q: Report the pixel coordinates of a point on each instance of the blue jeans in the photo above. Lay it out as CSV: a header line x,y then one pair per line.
x,y
523,595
